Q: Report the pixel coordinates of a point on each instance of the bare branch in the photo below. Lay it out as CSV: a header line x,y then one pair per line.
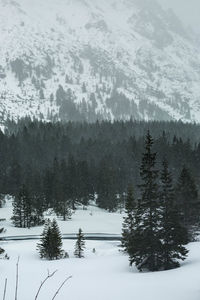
x,y
5,287
17,278
44,281
61,287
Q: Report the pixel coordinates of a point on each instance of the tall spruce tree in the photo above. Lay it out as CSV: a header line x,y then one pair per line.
x,y
56,238
187,198
129,219
80,245
38,208
50,245
173,235
43,245
145,245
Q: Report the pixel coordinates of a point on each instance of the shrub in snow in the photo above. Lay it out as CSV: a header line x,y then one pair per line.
x,y
3,255
2,230
66,255
1,251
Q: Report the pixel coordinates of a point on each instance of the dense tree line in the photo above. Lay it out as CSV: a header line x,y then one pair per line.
x,y
61,164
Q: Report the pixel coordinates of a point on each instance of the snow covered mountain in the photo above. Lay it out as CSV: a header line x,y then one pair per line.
x,y
88,59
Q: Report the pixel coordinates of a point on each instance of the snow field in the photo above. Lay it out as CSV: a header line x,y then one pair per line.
x,y
104,275
92,220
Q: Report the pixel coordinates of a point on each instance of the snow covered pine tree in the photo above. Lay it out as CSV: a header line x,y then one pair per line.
x,y
129,220
173,235
152,233
80,245
50,246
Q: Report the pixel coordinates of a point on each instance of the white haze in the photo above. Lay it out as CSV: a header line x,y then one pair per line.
x,y
188,11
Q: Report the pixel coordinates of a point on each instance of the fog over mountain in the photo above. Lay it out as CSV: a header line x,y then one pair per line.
x,y
88,60
187,10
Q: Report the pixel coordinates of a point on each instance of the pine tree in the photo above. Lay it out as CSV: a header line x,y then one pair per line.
x,y
57,240
173,235
38,203
43,245
50,246
17,212
187,198
144,246
129,220
80,245
22,209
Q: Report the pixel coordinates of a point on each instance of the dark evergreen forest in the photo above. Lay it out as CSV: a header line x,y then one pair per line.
x,y
60,164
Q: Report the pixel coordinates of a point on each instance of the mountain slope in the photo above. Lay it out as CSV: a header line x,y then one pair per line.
x,y
88,59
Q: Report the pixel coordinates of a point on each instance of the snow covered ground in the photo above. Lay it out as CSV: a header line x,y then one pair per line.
x,y
92,220
104,275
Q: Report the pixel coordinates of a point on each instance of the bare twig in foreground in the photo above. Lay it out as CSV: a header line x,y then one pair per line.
x,y
17,278
43,282
61,287
5,287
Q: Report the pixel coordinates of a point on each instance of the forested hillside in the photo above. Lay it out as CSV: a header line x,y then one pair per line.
x,y
75,162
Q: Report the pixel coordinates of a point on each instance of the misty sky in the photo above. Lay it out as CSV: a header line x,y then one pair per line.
x,y
187,10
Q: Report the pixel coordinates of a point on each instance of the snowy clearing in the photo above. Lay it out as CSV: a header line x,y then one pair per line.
x,y
92,220
104,275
